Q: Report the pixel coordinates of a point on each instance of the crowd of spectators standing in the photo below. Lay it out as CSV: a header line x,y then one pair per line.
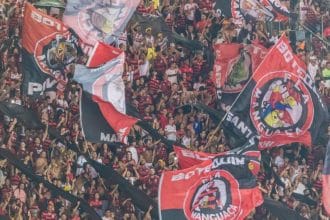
x,y
159,76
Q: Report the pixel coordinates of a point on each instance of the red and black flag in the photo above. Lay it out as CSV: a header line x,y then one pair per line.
x,y
106,88
188,158
49,48
256,10
326,181
101,54
234,65
280,103
220,188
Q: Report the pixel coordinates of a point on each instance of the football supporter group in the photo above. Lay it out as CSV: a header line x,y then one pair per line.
x,y
159,77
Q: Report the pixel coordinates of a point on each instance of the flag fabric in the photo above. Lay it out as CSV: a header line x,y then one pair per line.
x,y
158,25
326,180
96,21
221,188
280,210
49,48
95,127
255,10
280,103
234,64
35,83
106,86
27,116
101,54
188,158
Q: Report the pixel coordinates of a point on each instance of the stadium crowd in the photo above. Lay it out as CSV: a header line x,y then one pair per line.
x,y
159,76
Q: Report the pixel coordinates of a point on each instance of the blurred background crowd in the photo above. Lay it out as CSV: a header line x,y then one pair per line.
x,y
159,76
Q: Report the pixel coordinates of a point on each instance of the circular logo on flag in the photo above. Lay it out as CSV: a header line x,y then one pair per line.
x,y
101,20
251,10
214,197
56,52
281,104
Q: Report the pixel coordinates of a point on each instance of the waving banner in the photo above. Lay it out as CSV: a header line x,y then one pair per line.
x,y
221,188
96,21
256,10
48,50
234,65
106,86
188,158
48,40
280,103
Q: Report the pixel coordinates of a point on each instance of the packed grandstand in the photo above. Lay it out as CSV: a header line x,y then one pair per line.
x,y
164,109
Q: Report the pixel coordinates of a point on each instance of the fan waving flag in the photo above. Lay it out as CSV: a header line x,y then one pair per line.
x,y
221,188
280,103
326,181
257,10
97,21
107,88
49,48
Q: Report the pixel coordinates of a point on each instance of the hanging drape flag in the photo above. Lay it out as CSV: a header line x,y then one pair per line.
x,y
106,86
234,65
280,103
260,10
95,127
49,48
188,158
97,21
101,54
221,188
158,25
326,181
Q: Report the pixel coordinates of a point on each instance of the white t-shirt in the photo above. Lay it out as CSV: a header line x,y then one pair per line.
x,y
170,131
190,8
186,141
300,189
134,153
279,161
312,69
172,75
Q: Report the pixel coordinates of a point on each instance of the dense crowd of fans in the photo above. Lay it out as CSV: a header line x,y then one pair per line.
x,y
159,76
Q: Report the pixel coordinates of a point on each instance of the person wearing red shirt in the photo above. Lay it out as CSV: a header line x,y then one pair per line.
x,y
152,183
96,203
49,214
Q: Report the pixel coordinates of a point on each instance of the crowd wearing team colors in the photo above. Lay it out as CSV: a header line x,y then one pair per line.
x,y
159,76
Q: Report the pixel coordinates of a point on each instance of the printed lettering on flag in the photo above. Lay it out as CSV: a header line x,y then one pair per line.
x,y
280,103
214,189
48,40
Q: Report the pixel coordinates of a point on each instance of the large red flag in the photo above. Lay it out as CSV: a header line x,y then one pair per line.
x,y
188,158
221,188
280,103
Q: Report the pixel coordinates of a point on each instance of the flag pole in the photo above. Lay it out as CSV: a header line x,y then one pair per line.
x,y
238,96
